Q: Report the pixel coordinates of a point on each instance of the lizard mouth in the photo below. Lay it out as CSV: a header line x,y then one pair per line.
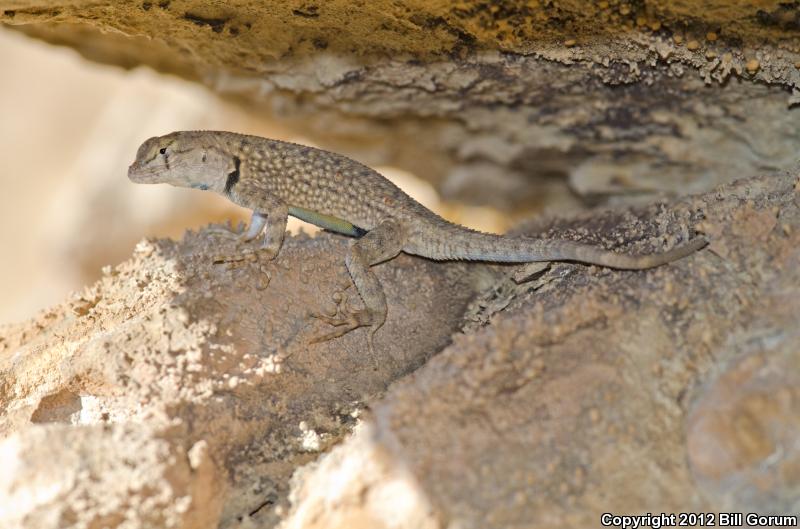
x,y
139,174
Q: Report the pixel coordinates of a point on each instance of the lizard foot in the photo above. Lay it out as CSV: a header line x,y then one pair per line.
x,y
528,270
342,300
226,231
247,255
345,323
231,234
234,258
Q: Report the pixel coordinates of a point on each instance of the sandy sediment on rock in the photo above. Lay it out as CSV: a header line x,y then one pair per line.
x,y
184,393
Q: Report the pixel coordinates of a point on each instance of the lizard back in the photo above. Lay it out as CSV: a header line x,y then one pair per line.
x,y
341,194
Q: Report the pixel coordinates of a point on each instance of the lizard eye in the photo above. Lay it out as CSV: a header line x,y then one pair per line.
x,y
163,150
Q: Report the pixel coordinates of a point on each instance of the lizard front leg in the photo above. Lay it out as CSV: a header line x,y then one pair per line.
x,y
257,223
269,216
380,244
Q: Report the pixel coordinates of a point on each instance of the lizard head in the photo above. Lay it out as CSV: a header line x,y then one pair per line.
x,y
183,159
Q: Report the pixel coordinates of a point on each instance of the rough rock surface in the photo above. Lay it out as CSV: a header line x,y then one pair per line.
x,y
515,105
594,391
177,393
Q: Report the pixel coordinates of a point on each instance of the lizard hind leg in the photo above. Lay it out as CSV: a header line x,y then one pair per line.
x,y
380,244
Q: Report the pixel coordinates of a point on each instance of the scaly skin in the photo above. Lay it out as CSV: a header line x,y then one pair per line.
x,y
275,179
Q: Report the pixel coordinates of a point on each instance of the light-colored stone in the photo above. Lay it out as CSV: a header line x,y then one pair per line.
x,y
137,371
409,83
596,391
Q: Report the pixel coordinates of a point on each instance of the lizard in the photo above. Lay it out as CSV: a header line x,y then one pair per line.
x,y
276,179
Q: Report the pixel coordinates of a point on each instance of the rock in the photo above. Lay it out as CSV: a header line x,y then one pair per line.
x,y
595,392
178,393
583,391
538,91
190,389
113,475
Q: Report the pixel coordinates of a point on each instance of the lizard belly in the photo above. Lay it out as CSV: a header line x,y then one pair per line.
x,y
327,222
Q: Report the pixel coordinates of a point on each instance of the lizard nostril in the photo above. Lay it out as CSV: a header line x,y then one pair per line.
x,y
132,170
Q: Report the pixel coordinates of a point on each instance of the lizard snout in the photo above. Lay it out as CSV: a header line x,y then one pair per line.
x,y
136,174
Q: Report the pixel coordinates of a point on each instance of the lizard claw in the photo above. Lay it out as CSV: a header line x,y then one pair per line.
x,y
333,321
344,324
247,255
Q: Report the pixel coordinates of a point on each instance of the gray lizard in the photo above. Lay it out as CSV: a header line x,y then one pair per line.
x,y
275,179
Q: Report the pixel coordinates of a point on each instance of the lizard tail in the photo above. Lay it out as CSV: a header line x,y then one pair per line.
x,y
476,246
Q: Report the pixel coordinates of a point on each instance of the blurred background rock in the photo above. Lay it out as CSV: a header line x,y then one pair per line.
x,y
67,208
533,107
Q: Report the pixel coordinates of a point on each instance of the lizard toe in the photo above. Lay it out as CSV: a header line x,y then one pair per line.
x,y
343,324
234,257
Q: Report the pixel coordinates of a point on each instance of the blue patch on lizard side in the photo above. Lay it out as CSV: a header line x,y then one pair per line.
x,y
326,222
